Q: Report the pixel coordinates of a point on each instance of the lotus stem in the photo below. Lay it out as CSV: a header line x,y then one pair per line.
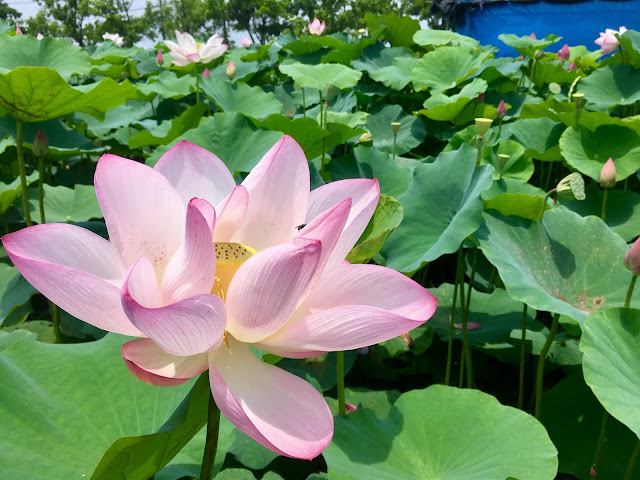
x,y
627,301
342,406
523,340
480,139
466,354
543,357
197,88
55,319
211,445
544,203
456,283
474,263
596,455
548,180
40,188
603,214
533,69
500,129
632,462
304,104
23,174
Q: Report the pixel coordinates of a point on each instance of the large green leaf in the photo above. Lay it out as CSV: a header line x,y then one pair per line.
x,y
69,403
35,94
518,166
319,76
397,75
565,264
231,137
446,67
14,290
10,191
445,108
441,433
539,136
168,130
117,117
394,176
573,416
61,55
430,37
526,45
611,363
386,218
140,457
611,85
587,151
410,134
378,56
240,97
428,233
168,85
62,204
399,31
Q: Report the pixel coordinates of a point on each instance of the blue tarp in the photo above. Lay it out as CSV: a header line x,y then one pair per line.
x,y
579,23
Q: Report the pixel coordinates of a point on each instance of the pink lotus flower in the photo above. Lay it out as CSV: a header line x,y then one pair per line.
x,y
608,40
18,30
245,42
117,40
572,67
317,28
39,36
202,268
564,53
187,50
533,36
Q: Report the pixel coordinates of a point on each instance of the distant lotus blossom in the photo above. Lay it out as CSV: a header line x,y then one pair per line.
x,y
608,40
245,42
317,28
187,50
533,36
564,53
572,67
117,40
40,36
470,326
159,58
18,31
231,70
206,73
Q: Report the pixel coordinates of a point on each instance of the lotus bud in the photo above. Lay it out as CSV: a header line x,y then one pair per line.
x,y
503,158
539,54
593,473
231,70
501,111
632,258
521,58
608,174
578,99
533,36
571,187
40,36
366,139
564,53
206,73
159,58
482,125
395,126
40,145
480,98
573,66
350,407
18,31
245,42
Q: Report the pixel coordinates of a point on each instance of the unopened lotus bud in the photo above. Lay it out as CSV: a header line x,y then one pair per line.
x,y
564,53
231,70
18,31
571,187
608,174
395,126
503,158
206,73
578,99
480,98
593,473
521,58
366,139
533,36
539,54
632,258
159,58
501,111
482,125
573,66
40,145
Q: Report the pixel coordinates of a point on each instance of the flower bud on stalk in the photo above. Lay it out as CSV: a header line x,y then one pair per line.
x,y
366,139
231,70
608,174
159,58
40,146
632,258
206,73
573,66
501,111
18,30
564,53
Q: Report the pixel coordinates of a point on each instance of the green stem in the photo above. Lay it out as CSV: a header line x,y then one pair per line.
x,y
596,455
197,88
632,462
342,406
500,130
627,301
480,138
603,214
23,174
474,264
548,180
40,189
447,376
465,337
492,279
626,183
523,340
211,444
394,147
543,357
321,109
55,317
533,69
304,104
544,203
462,365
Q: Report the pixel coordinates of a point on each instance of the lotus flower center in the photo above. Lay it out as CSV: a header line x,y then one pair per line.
x,y
229,257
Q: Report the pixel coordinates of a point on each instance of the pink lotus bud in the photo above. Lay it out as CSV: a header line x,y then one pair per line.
x,y
40,145
159,58
40,36
231,70
572,67
593,473
501,111
18,31
521,58
245,42
533,36
480,98
632,258
470,326
564,53
350,407
608,174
